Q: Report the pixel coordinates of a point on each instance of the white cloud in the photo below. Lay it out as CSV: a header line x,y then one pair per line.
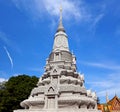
x,y
71,9
75,10
16,74
3,79
9,56
102,65
4,38
111,92
104,81
40,70
8,42
101,84
109,83
96,20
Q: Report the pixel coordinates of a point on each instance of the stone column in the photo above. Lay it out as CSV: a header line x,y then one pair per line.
x,y
59,56
46,103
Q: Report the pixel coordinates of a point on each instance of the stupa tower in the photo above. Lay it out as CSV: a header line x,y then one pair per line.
x,y
61,88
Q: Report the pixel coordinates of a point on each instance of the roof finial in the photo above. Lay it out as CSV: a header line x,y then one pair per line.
x,y
107,99
60,27
60,13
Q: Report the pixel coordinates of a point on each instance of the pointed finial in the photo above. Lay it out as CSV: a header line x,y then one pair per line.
x,y
60,13
107,99
60,27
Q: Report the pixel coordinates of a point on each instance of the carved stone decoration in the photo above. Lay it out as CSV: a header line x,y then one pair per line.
x,y
61,87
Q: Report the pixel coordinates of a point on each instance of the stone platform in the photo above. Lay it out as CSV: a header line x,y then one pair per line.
x,y
59,110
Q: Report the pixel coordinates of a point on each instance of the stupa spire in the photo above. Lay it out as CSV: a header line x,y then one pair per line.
x,y
61,39
60,26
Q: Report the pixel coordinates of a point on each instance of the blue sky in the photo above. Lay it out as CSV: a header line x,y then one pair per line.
x,y
27,29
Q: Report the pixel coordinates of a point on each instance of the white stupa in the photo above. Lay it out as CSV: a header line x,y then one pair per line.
x,y
61,88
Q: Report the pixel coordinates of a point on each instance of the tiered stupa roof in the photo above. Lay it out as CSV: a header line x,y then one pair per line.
x,y
61,88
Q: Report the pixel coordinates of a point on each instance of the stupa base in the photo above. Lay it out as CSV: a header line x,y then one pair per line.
x,y
57,110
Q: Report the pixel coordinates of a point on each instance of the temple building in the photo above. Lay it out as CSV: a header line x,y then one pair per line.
x,y
61,88
112,105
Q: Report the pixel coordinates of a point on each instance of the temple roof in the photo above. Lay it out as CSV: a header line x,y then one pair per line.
x,y
114,99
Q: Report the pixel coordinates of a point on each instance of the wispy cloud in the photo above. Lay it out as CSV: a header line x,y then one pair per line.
x,y
111,92
96,20
109,84
17,74
71,9
3,79
9,56
4,38
77,10
102,65
8,42
101,83
41,70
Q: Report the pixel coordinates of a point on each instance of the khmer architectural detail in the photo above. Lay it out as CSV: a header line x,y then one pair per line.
x,y
61,88
112,105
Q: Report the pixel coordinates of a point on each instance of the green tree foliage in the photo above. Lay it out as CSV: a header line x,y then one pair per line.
x,y
16,90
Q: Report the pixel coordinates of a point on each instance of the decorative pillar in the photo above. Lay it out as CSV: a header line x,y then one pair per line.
x,y
46,103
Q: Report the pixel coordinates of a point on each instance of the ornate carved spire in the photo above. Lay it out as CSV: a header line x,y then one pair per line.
x,y
60,27
60,40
